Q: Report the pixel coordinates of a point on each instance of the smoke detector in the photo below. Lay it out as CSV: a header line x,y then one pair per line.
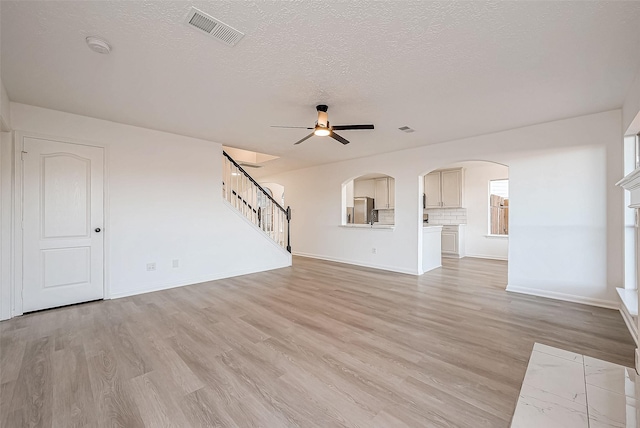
x,y
98,44
406,129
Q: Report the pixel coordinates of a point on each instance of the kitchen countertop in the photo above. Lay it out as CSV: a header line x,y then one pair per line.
x,y
368,226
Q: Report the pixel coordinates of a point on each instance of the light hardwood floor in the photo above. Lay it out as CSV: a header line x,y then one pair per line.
x,y
318,344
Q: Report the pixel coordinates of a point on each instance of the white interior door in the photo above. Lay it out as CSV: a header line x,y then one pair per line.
x,y
62,222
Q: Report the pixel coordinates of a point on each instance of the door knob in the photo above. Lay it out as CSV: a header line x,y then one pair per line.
x,y
98,230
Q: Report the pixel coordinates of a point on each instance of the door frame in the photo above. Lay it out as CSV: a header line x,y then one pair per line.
x,y
17,249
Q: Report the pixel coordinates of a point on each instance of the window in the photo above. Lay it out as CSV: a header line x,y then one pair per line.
x,y
499,207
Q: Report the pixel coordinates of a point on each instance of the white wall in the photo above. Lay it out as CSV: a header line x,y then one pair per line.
x,y
476,201
559,222
630,276
630,109
164,203
574,252
5,201
6,170
349,194
5,110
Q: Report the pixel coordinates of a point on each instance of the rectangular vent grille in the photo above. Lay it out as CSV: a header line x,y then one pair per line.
x,y
407,129
213,27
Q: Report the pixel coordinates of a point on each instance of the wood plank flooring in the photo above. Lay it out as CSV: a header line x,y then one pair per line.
x,y
319,344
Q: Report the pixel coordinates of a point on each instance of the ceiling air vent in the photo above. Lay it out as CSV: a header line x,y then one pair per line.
x,y
407,129
213,27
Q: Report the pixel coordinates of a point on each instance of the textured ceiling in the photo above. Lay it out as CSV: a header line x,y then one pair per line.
x,y
446,69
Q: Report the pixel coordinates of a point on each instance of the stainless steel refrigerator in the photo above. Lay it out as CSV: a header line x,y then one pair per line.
x,y
362,210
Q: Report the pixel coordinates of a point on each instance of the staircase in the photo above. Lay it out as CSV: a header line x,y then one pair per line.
x,y
255,203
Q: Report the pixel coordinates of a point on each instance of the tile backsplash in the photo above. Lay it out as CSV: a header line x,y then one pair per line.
x,y
386,217
447,215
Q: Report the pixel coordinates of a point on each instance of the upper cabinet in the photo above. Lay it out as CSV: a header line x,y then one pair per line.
x,y
452,188
433,189
385,192
381,189
443,188
364,188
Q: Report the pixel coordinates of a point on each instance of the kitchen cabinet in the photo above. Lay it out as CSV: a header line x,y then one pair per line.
x,y
384,192
392,192
433,190
364,188
453,240
443,188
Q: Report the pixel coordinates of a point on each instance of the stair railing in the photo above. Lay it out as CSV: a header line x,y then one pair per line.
x,y
255,203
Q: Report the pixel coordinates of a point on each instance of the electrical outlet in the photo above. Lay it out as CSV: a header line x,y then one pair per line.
x,y
374,251
151,266
176,263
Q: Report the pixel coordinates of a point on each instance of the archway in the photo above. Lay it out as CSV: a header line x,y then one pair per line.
x,y
369,199
470,202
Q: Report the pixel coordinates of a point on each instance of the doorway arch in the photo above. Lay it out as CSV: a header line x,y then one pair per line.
x,y
471,227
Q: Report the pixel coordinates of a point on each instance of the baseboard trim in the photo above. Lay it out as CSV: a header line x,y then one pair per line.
x,y
183,283
630,322
429,270
351,262
481,256
563,296
452,255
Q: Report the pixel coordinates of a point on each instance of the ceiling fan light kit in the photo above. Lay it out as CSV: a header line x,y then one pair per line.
x,y
324,129
321,132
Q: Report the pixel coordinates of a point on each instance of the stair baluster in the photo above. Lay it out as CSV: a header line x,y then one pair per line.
x,y
249,198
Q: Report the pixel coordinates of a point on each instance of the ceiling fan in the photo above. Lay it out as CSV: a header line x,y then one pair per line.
x,y
324,129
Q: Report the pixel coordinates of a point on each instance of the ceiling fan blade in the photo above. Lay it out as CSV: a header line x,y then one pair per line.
x,y
293,127
339,138
305,138
348,127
